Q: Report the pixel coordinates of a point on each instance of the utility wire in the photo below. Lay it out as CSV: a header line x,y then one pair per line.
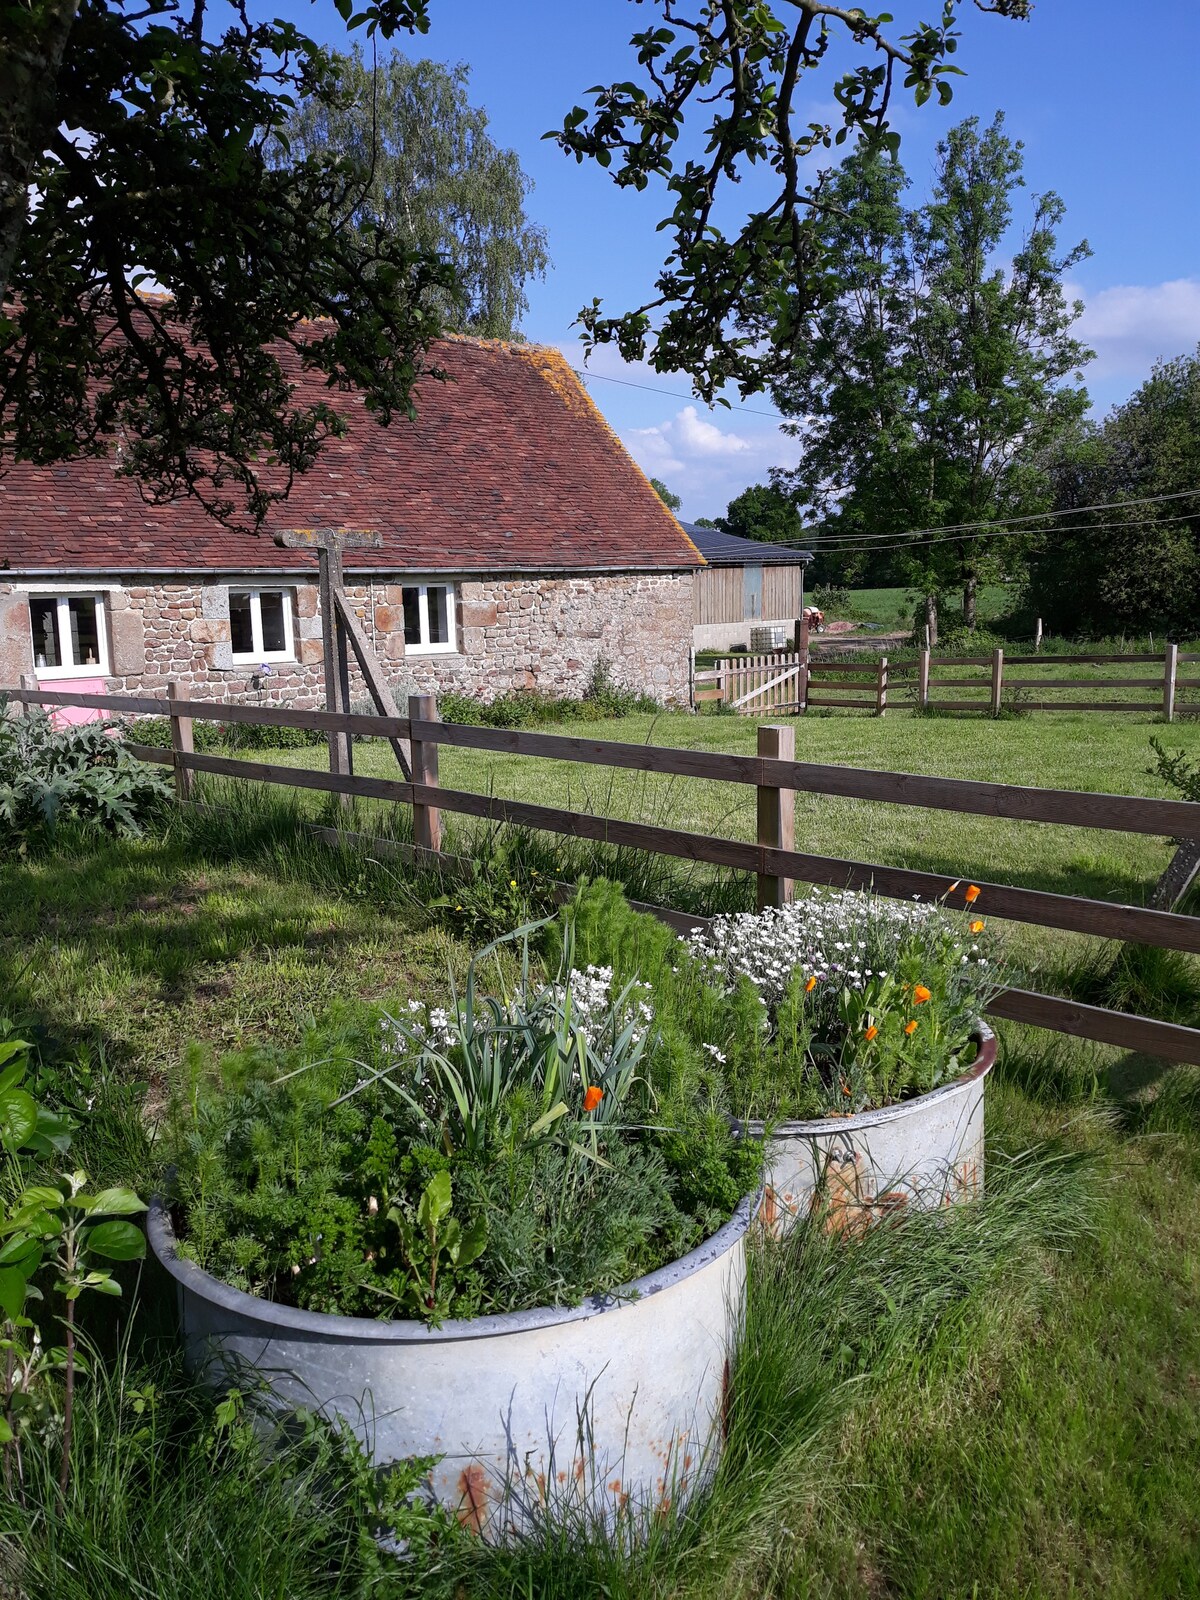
x,y
899,542
1007,523
675,394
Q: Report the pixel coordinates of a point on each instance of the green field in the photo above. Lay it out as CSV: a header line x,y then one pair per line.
x,y
894,608
1063,751
1010,1411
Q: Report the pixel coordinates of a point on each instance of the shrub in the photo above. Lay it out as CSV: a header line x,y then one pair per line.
x,y
501,1152
224,735
81,772
530,708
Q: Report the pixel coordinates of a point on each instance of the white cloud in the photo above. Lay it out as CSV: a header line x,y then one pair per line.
x,y
1131,326
706,464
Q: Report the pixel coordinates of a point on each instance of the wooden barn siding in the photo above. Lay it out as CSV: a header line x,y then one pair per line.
x,y
718,594
781,593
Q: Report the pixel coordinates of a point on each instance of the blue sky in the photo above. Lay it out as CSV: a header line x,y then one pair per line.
x,y
1102,93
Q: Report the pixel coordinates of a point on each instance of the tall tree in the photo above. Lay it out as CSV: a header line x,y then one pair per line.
x,y
763,512
435,178
935,373
670,500
1136,563
134,140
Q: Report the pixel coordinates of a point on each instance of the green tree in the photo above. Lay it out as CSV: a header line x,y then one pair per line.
x,y
935,374
135,150
763,512
436,180
671,501
1114,569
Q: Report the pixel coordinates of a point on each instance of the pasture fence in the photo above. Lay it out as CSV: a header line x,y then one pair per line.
x,y
772,857
783,682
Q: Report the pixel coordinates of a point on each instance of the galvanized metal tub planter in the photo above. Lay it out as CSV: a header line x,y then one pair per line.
x,y
609,1412
919,1154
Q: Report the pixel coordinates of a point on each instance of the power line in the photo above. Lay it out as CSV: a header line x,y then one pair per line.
x,y
1007,523
675,394
902,541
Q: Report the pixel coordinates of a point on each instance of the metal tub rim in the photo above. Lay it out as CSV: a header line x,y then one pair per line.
x,y
335,1328
803,1129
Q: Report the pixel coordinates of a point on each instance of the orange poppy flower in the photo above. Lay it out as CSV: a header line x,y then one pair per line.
x,y
593,1098
872,1031
911,1027
810,985
978,925
973,893
921,994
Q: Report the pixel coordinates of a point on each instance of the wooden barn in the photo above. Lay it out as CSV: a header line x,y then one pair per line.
x,y
745,584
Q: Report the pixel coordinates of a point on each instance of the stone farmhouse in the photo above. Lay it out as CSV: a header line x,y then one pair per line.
x,y
520,546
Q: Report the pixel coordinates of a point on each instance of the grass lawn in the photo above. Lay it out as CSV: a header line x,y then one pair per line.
x,y
894,608
1065,751
1013,1410
1008,1404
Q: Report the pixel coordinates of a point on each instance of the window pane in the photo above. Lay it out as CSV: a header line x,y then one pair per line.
x,y
85,633
412,617
241,628
274,632
439,616
43,616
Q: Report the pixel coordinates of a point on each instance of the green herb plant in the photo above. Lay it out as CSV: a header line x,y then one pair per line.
x,y
61,1226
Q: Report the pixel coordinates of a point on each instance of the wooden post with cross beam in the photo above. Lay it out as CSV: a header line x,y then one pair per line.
x,y
341,633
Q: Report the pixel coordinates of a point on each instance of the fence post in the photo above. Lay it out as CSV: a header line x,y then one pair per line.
x,y
1037,637
923,680
997,680
427,819
1170,668
181,743
776,813
802,659
881,687
28,681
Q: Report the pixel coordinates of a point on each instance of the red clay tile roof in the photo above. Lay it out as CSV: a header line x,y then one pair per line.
x,y
508,467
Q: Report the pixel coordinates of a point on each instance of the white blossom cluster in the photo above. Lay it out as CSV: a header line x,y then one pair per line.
x,y
592,1000
844,936
592,1007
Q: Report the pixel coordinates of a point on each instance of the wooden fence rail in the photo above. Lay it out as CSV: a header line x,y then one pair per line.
x,y
772,858
784,683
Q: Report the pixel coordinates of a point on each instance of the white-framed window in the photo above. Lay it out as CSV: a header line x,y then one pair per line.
x,y
428,618
68,635
260,625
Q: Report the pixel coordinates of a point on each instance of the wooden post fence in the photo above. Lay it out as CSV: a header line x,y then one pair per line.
x,y
923,679
427,819
997,680
1170,672
182,743
772,858
802,658
776,813
881,687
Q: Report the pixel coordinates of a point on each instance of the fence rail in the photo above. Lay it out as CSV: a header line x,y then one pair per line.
x,y
772,857
785,682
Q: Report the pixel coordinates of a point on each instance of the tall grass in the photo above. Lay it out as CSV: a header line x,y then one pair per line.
x,y
167,1503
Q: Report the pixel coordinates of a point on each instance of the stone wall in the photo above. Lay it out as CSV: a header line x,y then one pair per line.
x,y
512,633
